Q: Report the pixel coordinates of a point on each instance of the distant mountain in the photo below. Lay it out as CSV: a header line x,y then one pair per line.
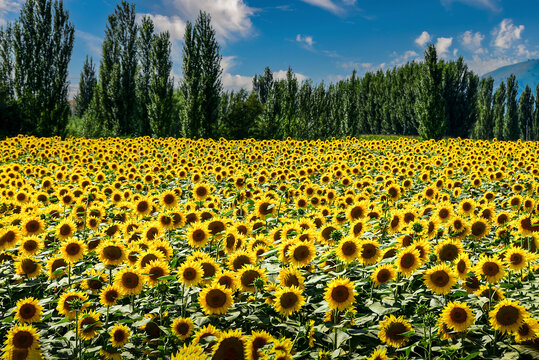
x,y
526,72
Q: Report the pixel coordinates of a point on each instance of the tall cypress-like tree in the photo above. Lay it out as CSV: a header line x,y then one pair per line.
x,y
498,111
192,79
10,121
41,47
117,74
535,125
87,85
525,112
484,126
430,107
161,91
511,126
144,50
211,85
262,84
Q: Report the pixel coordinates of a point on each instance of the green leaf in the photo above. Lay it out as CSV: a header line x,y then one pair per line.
x,y
471,356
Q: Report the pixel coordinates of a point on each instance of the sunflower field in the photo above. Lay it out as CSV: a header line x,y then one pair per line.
x,y
202,249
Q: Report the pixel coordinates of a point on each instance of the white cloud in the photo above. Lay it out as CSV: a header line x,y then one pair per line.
x,y
7,7
230,18
281,74
93,43
442,45
404,58
423,39
326,5
306,41
485,4
234,81
173,24
483,65
523,51
506,34
473,41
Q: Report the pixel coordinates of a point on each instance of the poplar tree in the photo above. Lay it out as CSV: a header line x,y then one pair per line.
x,y
535,125
161,88
191,85
262,84
87,85
40,47
484,126
525,112
144,50
498,111
511,126
430,108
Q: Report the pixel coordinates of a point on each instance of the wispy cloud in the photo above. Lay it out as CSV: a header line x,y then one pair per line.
x,y
92,42
442,45
326,5
473,41
7,7
281,74
306,41
506,33
492,5
423,39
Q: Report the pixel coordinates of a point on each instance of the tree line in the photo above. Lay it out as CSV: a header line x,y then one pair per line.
x,y
131,91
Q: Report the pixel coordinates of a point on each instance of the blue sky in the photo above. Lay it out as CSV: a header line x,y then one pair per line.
x,y
325,39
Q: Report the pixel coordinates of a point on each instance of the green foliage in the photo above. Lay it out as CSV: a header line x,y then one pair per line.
x,y
498,111
87,84
525,113
144,52
430,107
239,111
484,126
535,125
511,126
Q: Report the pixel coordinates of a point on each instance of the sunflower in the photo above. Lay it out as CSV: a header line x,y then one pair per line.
x,y
65,229
462,266
191,351
395,222
28,310
257,340
449,250
408,261
491,293
247,276
289,277
30,246
348,249
156,269
507,316
467,206
444,331
383,274
516,258
378,354
491,268
340,293
240,259
457,316
228,279
440,279
168,199
392,331
357,211
502,218
28,266
143,206
526,225
119,335
369,252
64,303
357,228
109,295
528,330
129,281
444,212
208,332
190,273
89,325
73,250
479,228
198,235
112,253
32,225
458,228
471,283
215,299
56,267
23,336
95,280
288,300
201,191
9,237
230,345
301,253
264,207
182,328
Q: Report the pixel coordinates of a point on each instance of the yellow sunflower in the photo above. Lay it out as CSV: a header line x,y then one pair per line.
x,y
23,337
64,303
73,250
257,340
65,229
340,293
156,269
369,252
528,330
198,235
112,253
9,237
168,199
129,281
28,266
393,331
215,299
491,268
378,354
32,225
288,300
408,261
230,345
301,254
248,275
28,310
89,325
507,316
30,246
457,316
119,335
289,277
201,191
462,266
182,328
516,258
440,279
383,274
190,273
449,250
240,259
348,249
109,295
479,228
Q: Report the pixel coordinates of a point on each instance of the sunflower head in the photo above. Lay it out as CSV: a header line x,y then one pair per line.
x,y
393,331
28,310
340,293
182,328
119,335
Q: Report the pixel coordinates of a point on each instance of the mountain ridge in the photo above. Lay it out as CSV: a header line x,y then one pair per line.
x,y
526,73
